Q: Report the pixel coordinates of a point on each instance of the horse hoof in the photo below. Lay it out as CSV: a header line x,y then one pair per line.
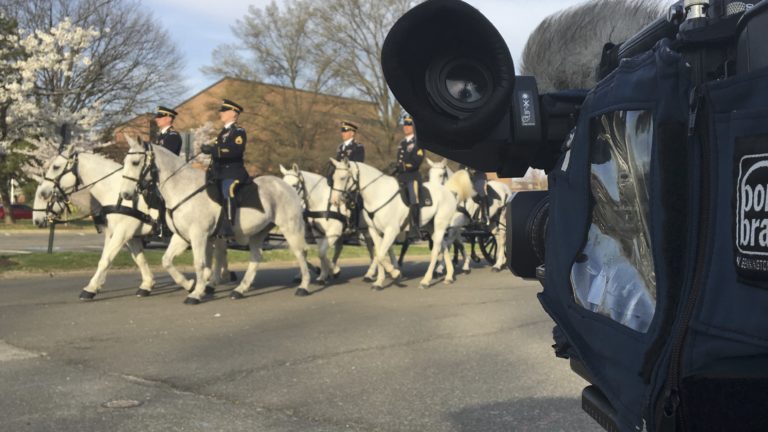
x,y
301,292
232,276
423,285
191,301
321,282
467,271
86,295
236,295
449,281
337,274
495,270
368,279
142,293
377,288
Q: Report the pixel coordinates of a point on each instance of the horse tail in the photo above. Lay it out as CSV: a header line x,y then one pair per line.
x,y
461,185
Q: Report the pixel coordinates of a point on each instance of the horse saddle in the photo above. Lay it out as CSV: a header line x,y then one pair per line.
x,y
425,197
246,194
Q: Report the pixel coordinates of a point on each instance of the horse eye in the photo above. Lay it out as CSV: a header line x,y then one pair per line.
x,y
135,163
56,167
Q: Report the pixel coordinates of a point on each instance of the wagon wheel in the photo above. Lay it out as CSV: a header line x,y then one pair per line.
x,y
488,247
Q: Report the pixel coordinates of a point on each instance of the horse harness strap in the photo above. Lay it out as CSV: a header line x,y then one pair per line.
x,y
372,213
128,211
325,215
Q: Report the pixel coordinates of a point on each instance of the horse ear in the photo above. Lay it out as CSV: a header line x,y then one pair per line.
x,y
444,161
283,170
295,167
334,162
429,161
68,151
131,142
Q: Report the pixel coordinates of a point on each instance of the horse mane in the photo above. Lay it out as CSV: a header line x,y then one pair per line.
x,y
460,184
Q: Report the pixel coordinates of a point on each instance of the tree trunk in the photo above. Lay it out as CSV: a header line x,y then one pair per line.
x,y
6,198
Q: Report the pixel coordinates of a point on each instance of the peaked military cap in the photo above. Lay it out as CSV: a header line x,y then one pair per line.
x,y
227,105
165,112
348,126
407,120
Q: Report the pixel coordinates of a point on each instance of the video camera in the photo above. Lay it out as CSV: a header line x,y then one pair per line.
x,y
652,241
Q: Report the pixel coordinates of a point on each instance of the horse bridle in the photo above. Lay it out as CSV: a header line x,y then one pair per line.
x,y
147,170
356,190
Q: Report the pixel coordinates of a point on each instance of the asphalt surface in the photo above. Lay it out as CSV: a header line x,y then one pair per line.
x,y
473,356
26,241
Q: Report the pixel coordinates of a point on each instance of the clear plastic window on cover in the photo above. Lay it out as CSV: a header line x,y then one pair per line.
x,y
614,275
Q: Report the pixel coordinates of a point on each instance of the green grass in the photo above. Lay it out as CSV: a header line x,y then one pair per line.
x,y
26,224
71,261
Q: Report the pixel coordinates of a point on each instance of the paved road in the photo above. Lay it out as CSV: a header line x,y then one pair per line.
x,y
13,242
473,356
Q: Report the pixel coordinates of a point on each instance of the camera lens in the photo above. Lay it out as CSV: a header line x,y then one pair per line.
x,y
466,83
459,86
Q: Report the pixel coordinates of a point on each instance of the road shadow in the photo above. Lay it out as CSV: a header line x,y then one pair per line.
x,y
547,414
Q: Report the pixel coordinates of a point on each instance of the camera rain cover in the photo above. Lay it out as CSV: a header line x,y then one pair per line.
x,y
614,275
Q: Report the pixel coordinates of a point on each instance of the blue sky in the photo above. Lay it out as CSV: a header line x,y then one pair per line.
x,y
198,26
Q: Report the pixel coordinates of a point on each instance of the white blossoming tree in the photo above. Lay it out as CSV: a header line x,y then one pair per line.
x,y
31,118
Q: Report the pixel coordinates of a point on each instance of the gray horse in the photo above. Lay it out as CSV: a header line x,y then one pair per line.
x,y
193,215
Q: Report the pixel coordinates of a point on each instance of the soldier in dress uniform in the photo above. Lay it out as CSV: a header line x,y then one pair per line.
x,y
168,136
171,140
227,166
349,148
354,152
409,159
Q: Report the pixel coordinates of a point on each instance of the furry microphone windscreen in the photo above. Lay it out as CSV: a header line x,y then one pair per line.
x,y
564,51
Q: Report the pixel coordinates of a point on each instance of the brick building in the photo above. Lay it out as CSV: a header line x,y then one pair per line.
x,y
283,125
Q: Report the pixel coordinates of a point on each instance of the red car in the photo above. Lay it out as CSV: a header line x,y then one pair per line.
x,y
20,211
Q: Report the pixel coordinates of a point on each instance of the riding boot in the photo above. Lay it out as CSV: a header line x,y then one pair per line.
x,y
227,225
414,232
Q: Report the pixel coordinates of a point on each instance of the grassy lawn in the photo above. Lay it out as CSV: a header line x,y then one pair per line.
x,y
63,261
26,224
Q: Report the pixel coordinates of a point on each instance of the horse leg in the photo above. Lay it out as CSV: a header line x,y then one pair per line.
x,y
116,241
501,248
209,272
255,244
374,267
450,276
333,266
382,256
437,245
325,263
176,247
136,247
221,261
199,248
296,243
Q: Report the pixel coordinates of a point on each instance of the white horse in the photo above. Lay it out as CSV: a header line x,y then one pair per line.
x,y
193,215
497,213
386,215
71,172
328,227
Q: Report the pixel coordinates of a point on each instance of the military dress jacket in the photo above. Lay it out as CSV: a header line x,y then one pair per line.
x,y
171,140
227,154
409,159
355,152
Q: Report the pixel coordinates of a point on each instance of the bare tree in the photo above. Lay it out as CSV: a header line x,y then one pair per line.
x,y
282,45
356,30
564,50
133,61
